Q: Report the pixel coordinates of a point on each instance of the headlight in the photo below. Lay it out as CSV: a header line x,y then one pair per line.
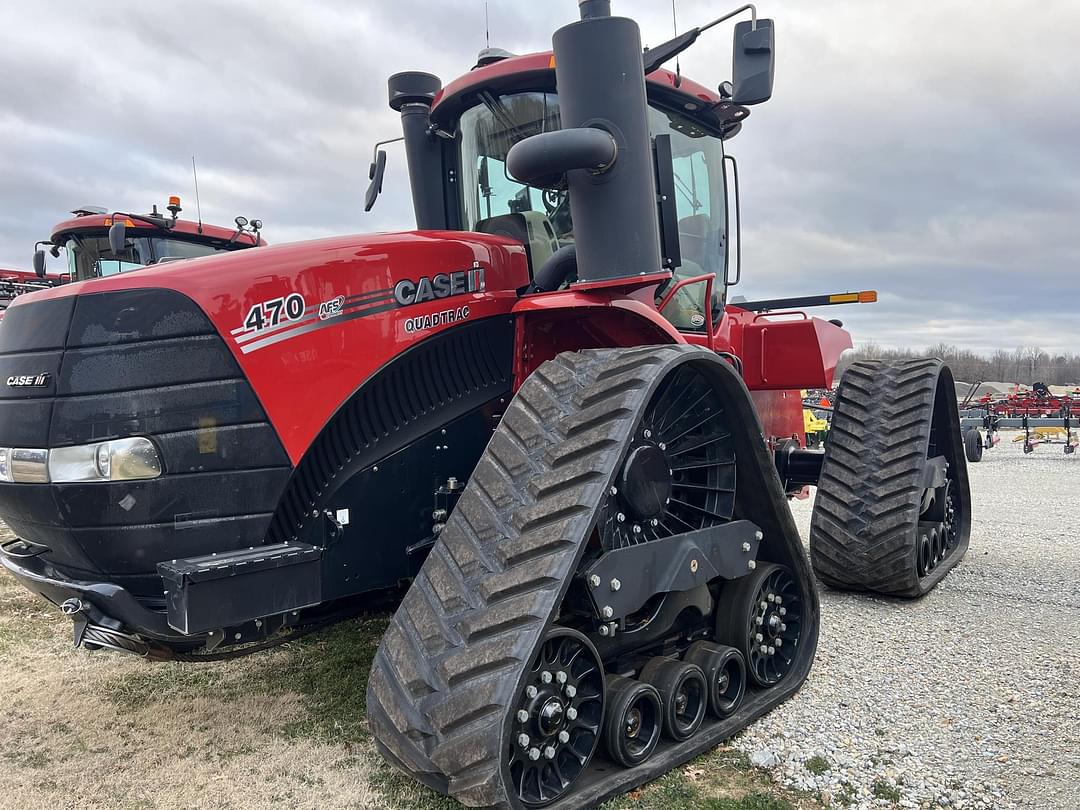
x,y
117,460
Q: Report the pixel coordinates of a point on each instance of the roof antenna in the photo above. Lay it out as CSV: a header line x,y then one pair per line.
x,y
198,207
487,26
675,25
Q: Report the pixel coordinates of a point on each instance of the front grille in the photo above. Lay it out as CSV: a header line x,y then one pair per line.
x,y
148,363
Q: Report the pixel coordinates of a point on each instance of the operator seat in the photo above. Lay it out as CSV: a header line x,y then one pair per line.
x,y
532,228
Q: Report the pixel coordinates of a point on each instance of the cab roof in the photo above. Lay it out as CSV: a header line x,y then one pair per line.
x,y
184,227
536,71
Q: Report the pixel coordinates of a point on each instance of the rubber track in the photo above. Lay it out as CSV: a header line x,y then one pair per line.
x,y
865,520
452,660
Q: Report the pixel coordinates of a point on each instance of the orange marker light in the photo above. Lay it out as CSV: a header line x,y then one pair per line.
x,y
174,200
868,297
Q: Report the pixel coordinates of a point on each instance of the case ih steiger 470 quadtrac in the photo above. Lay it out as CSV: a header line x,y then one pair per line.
x,y
516,411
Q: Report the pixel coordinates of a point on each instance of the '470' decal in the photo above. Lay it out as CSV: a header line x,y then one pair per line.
x,y
277,310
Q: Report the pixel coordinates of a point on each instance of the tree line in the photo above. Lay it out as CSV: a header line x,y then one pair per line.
x,y
1024,364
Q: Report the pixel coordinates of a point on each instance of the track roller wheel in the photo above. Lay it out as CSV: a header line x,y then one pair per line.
x,y
725,673
633,720
557,719
895,464
684,693
761,616
973,445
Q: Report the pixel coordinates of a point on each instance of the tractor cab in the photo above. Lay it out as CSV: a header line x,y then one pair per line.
x,y
99,243
481,116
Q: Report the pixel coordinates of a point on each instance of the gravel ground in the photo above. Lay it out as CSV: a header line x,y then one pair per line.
x,y
967,697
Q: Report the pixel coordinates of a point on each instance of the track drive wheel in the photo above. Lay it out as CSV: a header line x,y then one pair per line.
x,y
725,672
896,426
683,693
973,445
633,720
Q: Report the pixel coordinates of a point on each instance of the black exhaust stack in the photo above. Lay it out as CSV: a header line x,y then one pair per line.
x,y
603,149
411,94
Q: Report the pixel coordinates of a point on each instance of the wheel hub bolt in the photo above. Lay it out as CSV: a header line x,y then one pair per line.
x,y
758,637
758,620
771,597
648,433
523,716
774,620
654,522
620,517
759,536
615,584
746,547
530,692
772,650
594,580
549,752
564,737
534,754
571,713
560,676
783,611
607,612
778,642
764,649
614,490
637,529
571,690
545,676
751,564
662,446
605,631
783,627
523,740
764,605
778,600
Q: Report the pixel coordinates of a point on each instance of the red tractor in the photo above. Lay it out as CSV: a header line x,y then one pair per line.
x,y
19,282
99,243
572,461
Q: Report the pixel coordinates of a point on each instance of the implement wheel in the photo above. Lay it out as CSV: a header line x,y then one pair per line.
x,y
973,445
892,511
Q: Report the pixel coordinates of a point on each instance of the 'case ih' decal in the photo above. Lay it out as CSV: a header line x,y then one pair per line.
x,y
443,285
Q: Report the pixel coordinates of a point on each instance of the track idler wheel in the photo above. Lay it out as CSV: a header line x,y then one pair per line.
x,y
761,615
633,721
684,694
557,719
725,673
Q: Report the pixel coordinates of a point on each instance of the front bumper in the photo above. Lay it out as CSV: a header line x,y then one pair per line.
x,y
115,603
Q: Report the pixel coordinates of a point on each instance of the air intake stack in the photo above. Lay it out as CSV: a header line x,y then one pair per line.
x,y
603,150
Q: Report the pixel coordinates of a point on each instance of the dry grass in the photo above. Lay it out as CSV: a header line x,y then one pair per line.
x,y
278,729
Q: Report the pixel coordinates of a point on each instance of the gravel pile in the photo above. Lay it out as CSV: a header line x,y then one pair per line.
x,y
968,698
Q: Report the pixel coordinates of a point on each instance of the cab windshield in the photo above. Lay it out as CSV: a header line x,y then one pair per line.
x,y
91,257
490,195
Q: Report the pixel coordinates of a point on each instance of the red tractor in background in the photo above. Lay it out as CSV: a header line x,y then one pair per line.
x,y
18,282
537,415
99,243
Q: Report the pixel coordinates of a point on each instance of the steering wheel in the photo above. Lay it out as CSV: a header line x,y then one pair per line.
x,y
553,198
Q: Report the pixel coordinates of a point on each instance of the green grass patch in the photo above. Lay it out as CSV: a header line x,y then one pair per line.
x,y
817,765
753,801
883,790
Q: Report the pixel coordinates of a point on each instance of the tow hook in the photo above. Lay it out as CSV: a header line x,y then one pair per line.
x,y
77,611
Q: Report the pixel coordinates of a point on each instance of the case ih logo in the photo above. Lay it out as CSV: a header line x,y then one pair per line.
x,y
28,380
443,285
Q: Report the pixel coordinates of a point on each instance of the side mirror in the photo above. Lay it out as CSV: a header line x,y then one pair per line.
x,y
753,63
39,263
117,237
375,174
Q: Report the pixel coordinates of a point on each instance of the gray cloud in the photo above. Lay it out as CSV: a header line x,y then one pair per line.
x,y
925,149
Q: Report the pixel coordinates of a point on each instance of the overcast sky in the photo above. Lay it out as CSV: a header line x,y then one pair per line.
x,y
930,150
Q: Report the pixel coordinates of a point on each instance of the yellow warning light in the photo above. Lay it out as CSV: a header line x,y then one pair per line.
x,y
174,200
868,297
844,298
